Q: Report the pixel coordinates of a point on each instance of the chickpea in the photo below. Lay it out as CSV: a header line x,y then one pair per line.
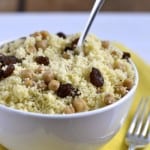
x,y
40,69
42,85
121,90
53,85
119,65
28,82
69,109
27,74
35,34
31,49
128,83
109,99
42,44
66,55
116,54
79,105
48,76
44,34
105,44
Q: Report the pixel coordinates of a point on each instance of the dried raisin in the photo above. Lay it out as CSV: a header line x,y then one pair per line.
x,y
61,35
72,46
67,90
96,77
1,73
64,90
9,70
74,43
7,60
68,49
42,60
126,55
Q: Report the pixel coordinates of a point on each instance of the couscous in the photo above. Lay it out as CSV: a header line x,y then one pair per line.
x,y
43,73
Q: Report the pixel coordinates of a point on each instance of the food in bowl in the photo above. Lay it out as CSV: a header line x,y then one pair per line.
x,y
29,65
43,73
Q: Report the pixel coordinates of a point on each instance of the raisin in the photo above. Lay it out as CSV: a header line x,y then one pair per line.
x,y
74,43
67,90
68,49
1,73
9,70
126,55
42,60
96,77
61,35
64,90
7,60
72,46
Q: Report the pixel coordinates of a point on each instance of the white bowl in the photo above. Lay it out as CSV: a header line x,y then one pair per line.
x,y
82,131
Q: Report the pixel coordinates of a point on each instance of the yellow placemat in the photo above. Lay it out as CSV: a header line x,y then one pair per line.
x,y
118,142
2,148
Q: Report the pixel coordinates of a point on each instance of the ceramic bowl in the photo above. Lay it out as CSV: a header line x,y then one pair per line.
x,y
81,131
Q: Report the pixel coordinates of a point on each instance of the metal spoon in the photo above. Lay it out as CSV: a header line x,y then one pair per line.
x,y
97,5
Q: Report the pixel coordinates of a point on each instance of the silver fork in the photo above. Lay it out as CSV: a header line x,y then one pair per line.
x,y
138,135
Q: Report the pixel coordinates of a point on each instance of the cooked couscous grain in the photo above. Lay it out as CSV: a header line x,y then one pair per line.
x,y
42,73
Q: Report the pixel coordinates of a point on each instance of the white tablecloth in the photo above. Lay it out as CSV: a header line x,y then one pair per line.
x,y
131,29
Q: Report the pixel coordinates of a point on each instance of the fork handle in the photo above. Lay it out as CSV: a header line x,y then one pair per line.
x,y
131,147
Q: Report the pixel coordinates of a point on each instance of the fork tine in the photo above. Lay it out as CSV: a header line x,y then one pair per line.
x,y
146,127
141,117
138,135
133,122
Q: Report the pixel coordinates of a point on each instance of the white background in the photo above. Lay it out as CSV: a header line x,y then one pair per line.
x,y
131,29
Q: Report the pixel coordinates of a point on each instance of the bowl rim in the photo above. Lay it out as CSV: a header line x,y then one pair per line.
x,y
80,114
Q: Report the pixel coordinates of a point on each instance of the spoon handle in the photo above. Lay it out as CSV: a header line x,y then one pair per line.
x,y
97,5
